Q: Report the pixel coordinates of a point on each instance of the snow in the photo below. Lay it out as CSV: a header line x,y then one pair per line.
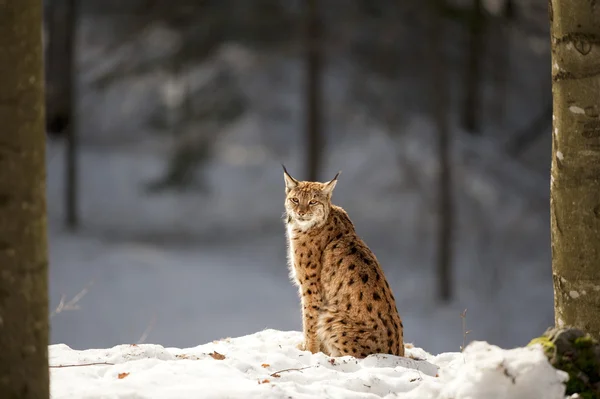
x,y
268,365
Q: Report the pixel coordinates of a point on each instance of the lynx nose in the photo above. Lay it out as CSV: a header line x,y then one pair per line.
x,y
301,213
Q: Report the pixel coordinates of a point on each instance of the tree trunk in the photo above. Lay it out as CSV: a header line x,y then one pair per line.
x,y
71,186
472,109
501,65
23,247
575,183
439,92
60,94
314,125
57,66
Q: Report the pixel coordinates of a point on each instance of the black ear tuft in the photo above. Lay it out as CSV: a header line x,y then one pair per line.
x,y
330,185
290,182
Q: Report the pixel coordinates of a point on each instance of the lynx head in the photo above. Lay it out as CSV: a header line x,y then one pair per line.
x,y
307,203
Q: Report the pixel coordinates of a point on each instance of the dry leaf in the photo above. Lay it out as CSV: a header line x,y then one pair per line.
x,y
264,382
217,356
265,365
122,375
133,345
275,375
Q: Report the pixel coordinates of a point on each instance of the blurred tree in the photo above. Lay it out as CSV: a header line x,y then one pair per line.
x,y
202,111
501,62
314,125
575,183
23,246
61,17
439,94
194,117
471,108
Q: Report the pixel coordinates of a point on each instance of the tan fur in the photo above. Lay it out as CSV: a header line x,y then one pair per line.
x,y
347,305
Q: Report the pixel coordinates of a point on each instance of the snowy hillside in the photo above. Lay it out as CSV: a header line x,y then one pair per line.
x,y
268,365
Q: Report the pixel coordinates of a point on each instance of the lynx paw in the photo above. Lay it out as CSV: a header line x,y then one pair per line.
x,y
301,346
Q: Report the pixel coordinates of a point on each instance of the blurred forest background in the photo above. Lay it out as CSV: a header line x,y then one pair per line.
x,y
168,121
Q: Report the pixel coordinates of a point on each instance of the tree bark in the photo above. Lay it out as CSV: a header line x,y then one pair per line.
x,y
575,182
23,247
314,125
439,94
470,120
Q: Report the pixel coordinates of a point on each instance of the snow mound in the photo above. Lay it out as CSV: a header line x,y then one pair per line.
x,y
268,365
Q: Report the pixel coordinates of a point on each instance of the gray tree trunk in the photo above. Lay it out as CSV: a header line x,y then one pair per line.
x,y
501,64
61,94
575,182
439,94
314,125
471,120
23,248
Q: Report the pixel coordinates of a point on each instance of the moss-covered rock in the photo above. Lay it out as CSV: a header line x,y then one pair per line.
x,y
577,353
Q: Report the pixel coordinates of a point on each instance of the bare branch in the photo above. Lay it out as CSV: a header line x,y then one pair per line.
x,y
463,316
276,374
147,331
60,366
65,305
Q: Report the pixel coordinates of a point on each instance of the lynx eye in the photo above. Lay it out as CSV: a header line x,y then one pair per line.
x,y
312,202
294,200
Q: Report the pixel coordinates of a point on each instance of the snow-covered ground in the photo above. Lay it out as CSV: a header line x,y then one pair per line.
x,y
268,365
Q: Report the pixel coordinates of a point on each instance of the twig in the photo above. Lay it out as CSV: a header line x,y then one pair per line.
x,y
276,374
463,316
60,366
147,330
72,304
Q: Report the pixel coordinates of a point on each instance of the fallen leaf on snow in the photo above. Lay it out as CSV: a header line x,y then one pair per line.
x,y
217,356
264,382
265,365
122,375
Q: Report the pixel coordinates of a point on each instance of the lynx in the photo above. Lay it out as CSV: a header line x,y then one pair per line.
x,y
347,305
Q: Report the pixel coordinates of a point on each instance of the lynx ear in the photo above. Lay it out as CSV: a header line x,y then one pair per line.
x,y
330,185
290,182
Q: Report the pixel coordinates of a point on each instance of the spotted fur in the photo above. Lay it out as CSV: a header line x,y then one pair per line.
x,y
347,305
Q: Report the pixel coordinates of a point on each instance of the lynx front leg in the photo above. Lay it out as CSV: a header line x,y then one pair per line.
x,y
311,305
